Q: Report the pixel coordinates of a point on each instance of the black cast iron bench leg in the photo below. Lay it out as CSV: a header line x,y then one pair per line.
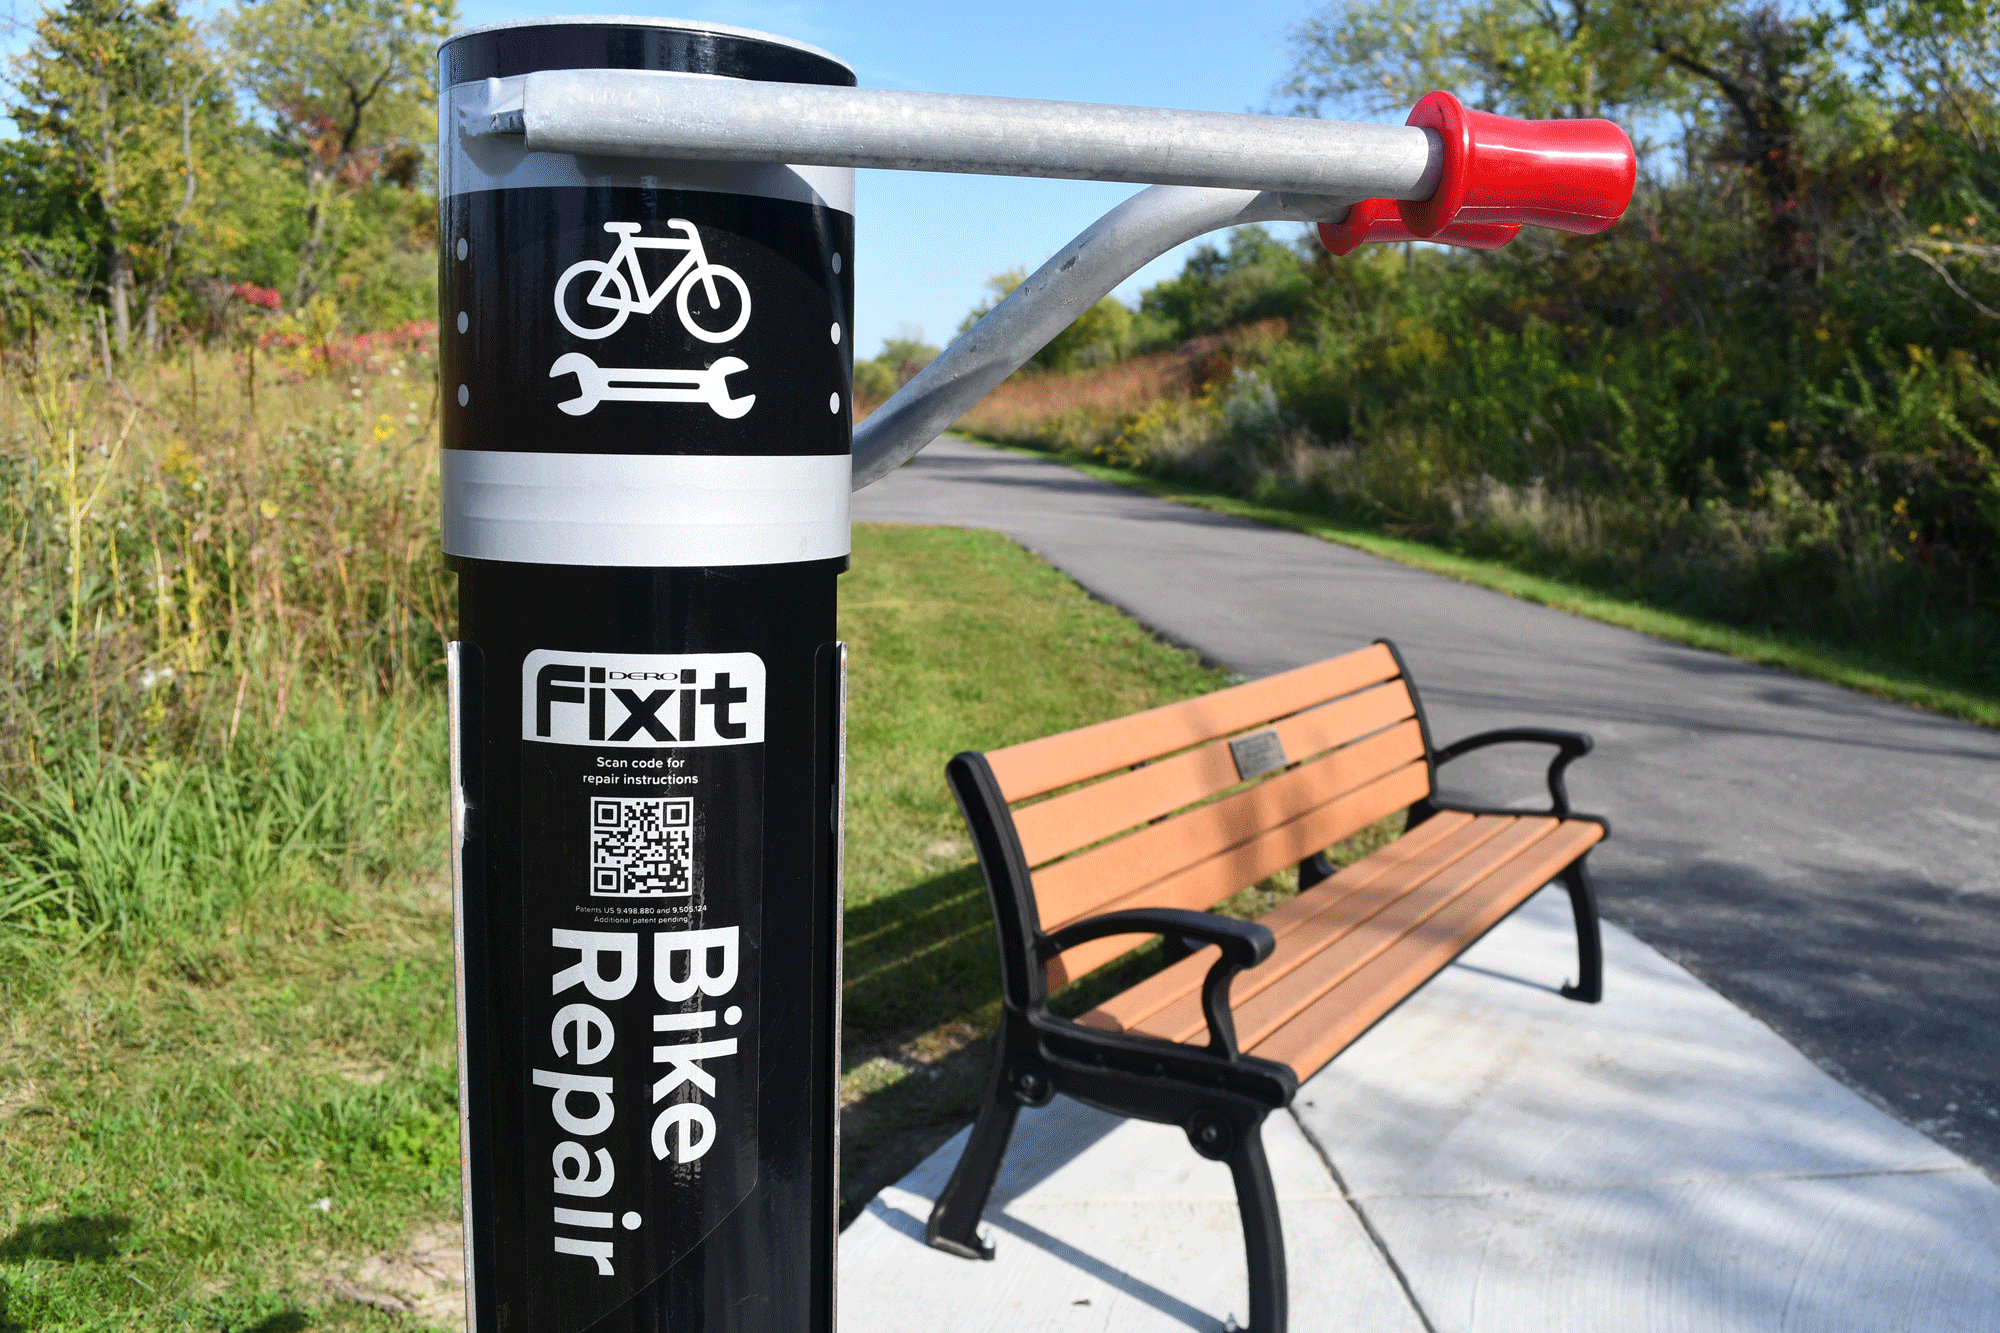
x,y
1237,1137
1589,987
954,1223
1263,1238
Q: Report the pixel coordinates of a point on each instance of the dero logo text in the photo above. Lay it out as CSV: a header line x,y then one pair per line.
x,y
642,699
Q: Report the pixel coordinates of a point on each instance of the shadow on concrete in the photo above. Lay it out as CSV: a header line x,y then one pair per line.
x,y
1046,1140
1509,978
1660,1161
1838,1253
1116,1278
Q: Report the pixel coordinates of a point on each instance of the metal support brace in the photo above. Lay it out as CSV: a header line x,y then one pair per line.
x,y
1080,275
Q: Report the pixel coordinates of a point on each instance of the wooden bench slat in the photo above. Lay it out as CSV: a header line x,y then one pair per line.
x,y
1131,1007
1321,1031
1321,950
1206,883
1348,950
1053,762
1076,819
1081,885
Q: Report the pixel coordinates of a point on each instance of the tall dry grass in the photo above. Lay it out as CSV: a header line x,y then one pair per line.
x,y
223,618
1026,405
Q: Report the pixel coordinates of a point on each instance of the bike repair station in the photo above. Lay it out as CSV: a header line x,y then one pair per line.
x,y
646,351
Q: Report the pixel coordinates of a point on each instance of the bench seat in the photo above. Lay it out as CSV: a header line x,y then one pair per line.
x,y
1352,947
1093,840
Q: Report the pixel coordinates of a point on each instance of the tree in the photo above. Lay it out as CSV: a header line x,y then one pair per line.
x,y
49,265
1939,62
1516,57
112,98
1740,80
1254,277
347,86
1768,67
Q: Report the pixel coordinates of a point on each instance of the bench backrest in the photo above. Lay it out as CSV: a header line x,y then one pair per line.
x,y
1158,809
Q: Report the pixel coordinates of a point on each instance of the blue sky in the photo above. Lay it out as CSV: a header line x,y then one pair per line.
x,y
926,243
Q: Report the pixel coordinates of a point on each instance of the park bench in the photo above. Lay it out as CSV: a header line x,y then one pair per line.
x,y
1093,838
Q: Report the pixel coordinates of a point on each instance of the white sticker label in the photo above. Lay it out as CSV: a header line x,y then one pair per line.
x,y
643,700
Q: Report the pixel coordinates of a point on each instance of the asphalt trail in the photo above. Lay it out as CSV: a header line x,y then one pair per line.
x,y
1828,861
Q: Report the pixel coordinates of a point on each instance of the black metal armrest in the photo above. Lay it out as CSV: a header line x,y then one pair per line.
x,y
1570,746
1243,944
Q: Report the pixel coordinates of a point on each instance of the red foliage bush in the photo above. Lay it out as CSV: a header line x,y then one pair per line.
x,y
264,298
416,338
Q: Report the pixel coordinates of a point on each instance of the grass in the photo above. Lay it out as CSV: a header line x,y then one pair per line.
x,y
1798,655
227,1089
208,1138
226,1063
143,853
960,640
245,1120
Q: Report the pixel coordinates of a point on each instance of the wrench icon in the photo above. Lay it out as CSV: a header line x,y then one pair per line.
x,y
614,385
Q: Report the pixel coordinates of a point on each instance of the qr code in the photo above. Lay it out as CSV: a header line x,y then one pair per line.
x,y
641,848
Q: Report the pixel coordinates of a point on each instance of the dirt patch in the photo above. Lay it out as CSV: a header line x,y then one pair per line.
x,y
423,1279
14,1096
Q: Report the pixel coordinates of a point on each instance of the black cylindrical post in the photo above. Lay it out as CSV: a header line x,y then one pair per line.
x,y
645,369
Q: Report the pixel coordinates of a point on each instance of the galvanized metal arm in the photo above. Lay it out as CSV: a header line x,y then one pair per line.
x,y
1079,275
646,113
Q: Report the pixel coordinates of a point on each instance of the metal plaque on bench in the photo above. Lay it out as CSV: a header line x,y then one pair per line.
x,y
1257,753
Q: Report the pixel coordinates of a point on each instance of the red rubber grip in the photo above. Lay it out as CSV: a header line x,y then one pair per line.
x,y
1374,220
1571,175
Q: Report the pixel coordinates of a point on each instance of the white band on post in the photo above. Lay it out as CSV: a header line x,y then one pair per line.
x,y
643,510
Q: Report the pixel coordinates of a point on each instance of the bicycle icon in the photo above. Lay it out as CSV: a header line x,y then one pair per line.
x,y
625,293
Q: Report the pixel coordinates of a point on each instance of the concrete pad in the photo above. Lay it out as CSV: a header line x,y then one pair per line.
x,y
1660,1161
1104,1223
1824,1254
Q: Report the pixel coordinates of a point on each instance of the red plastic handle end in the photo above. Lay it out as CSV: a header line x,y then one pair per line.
x,y
1374,220
1570,175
